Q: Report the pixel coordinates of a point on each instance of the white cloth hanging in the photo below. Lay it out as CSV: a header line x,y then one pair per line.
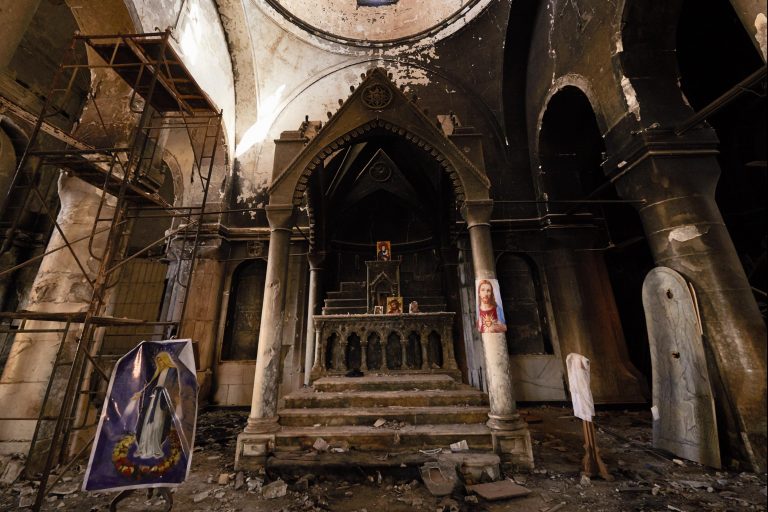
x,y
578,381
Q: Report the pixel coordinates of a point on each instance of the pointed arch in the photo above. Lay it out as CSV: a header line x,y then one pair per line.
x,y
394,113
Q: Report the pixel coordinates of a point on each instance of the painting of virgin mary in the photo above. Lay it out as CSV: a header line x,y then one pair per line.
x,y
147,425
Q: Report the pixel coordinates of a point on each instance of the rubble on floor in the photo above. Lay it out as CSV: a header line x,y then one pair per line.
x,y
645,479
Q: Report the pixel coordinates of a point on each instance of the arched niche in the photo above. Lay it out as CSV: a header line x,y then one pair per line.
x,y
520,285
244,312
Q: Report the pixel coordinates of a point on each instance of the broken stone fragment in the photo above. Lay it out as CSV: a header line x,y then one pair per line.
x,y
254,484
223,478
321,445
239,480
276,489
340,447
503,489
448,505
12,471
200,496
460,446
440,478
379,423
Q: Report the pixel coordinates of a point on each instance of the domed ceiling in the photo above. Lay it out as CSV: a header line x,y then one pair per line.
x,y
375,23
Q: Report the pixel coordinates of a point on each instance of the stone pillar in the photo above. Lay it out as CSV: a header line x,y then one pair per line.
x,y
511,438
313,299
686,232
587,319
254,444
753,16
16,16
59,287
363,355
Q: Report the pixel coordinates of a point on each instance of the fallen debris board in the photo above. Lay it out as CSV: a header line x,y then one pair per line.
x,y
500,490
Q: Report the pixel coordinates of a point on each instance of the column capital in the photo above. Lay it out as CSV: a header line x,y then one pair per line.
x,y
477,212
280,216
316,260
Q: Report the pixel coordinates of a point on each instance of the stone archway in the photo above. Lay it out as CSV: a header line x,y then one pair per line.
x,y
376,104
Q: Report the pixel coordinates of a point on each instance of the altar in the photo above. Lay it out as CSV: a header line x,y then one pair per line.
x,y
391,344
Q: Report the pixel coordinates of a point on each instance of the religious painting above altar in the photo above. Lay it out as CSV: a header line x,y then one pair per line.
x,y
394,305
383,250
490,314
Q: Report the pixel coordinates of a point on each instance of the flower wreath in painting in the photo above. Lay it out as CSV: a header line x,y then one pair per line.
x,y
122,457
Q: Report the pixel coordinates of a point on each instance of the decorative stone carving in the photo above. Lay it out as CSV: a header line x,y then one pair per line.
x,y
382,281
407,343
377,96
684,420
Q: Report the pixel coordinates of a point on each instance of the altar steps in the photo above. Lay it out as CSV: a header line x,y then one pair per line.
x,y
350,297
369,439
420,411
359,305
385,383
367,416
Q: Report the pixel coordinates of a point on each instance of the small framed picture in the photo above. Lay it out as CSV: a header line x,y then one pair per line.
x,y
383,250
378,310
394,305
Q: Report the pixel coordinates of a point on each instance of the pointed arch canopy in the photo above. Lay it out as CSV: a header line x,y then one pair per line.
x,y
378,104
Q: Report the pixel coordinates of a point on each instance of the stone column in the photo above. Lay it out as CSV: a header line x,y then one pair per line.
x,y
363,355
60,286
257,439
686,232
587,318
753,16
511,438
313,299
16,16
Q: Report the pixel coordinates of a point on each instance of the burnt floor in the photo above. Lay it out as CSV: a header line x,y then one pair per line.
x,y
645,480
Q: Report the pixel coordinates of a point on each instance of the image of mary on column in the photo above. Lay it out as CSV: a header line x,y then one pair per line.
x,y
157,408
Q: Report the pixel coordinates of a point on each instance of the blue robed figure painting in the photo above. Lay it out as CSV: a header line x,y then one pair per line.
x,y
147,424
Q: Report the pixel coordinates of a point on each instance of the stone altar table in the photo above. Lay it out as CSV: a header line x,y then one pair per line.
x,y
390,344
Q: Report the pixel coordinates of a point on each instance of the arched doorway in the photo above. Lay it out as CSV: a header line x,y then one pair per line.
x,y
594,240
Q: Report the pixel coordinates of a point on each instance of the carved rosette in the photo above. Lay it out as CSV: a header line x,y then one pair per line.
x,y
377,96
380,172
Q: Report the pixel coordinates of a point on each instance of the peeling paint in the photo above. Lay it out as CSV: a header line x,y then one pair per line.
x,y
760,33
341,25
630,96
687,233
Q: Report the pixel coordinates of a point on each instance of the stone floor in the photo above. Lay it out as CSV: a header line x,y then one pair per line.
x,y
645,480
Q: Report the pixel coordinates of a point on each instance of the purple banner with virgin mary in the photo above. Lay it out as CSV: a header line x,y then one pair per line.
x,y
147,425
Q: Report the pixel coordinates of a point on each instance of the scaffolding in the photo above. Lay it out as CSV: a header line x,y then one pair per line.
x,y
164,96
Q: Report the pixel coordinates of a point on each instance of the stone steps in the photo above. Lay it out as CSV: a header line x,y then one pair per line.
x,y
465,396
409,382
343,310
430,410
366,438
335,417
350,295
357,286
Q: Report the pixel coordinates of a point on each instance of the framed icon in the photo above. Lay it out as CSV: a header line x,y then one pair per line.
x,y
378,310
394,305
383,250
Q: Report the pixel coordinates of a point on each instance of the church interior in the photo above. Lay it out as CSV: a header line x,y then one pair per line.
x,y
377,240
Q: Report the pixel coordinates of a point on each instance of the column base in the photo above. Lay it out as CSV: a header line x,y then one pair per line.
x,y
256,443
252,450
511,440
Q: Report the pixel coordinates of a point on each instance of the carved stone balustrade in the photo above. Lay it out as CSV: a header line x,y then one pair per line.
x,y
389,344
